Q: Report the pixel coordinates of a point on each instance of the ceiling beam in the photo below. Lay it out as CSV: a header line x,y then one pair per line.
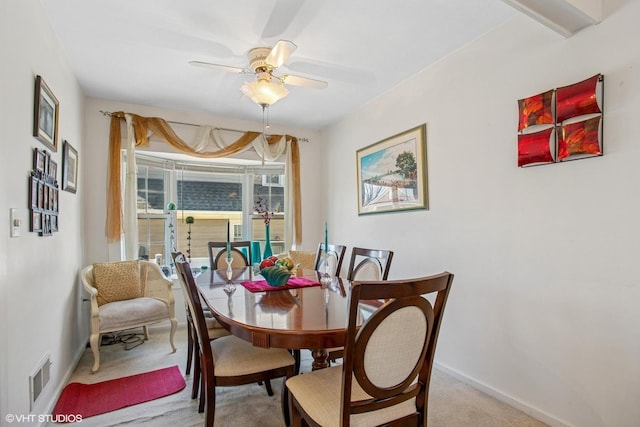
x,y
563,16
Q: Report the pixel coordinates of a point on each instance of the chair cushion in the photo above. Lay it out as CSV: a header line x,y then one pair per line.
x,y
215,329
117,281
306,259
233,356
324,407
119,315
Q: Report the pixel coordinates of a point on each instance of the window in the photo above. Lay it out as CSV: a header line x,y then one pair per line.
x,y
214,195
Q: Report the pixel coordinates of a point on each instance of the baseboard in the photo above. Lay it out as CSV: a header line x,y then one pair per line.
x,y
497,394
63,382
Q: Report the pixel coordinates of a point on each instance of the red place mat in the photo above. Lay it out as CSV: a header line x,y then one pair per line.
x,y
294,282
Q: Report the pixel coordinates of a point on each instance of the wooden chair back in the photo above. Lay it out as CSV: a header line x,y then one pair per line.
x,y
218,253
408,321
336,256
369,264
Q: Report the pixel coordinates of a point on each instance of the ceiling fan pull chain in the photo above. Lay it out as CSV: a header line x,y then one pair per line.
x,y
264,131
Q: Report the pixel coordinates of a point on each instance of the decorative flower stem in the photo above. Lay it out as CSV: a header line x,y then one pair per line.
x,y
189,220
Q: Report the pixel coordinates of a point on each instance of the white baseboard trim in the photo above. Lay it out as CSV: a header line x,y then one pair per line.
x,y
497,394
65,379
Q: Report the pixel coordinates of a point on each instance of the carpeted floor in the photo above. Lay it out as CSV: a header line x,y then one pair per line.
x,y
452,403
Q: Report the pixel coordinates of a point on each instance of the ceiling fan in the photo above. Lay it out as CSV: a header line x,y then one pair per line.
x,y
263,61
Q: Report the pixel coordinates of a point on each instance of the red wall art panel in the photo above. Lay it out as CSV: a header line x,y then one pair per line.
x,y
561,124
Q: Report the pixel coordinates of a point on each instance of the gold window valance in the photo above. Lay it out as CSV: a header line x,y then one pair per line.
x,y
144,127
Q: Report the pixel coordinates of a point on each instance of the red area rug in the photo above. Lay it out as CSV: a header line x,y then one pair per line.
x,y
88,400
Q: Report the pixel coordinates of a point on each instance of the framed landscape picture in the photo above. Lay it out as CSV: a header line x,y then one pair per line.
x,y
392,173
45,115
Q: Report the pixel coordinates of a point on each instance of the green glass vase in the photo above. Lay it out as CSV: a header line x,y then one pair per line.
x,y
267,243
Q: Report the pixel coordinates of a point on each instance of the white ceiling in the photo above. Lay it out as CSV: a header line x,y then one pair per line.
x,y
138,51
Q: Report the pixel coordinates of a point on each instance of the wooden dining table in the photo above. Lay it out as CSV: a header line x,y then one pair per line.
x,y
312,317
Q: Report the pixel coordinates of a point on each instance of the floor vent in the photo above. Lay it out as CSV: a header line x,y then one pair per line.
x,y
39,379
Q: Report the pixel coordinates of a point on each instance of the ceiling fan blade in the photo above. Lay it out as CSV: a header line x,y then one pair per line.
x,y
280,53
228,68
281,17
303,81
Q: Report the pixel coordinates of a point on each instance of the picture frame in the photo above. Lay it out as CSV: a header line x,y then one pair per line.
x,y
69,168
39,162
46,225
35,223
33,192
53,172
392,173
54,223
41,194
45,115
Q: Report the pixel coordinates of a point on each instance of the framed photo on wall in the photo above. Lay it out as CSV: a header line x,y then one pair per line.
x,y
35,224
45,115
392,173
69,168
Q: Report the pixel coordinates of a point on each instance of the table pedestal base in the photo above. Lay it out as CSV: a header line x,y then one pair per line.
x,y
320,358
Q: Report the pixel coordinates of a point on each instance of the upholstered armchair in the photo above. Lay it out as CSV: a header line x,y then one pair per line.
x,y
126,295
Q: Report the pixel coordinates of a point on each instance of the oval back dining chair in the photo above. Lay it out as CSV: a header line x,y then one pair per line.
x,y
369,264
229,360
335,256
386,373
365,264
218,253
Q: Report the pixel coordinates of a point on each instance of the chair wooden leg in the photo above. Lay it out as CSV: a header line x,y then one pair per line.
x,y
189,346
296,418
296,357
174,326
196,370
267,385
203,395
209,394
284,401
94,342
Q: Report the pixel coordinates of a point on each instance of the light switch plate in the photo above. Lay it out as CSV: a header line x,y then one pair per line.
x,y
14,223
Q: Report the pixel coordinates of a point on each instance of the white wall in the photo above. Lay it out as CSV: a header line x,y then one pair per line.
x,y
543,311
39,289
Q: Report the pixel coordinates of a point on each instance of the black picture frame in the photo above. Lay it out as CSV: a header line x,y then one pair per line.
x,y
46,110
69,168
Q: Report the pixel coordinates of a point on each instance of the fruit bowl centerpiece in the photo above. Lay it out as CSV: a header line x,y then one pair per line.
x,y
276,276
277,271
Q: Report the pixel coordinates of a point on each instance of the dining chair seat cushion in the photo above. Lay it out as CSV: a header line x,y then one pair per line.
x,y
215,329
117,281
234,356
117,315
324,407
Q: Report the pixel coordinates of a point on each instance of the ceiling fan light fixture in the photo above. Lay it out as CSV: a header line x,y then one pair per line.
x,y
265,91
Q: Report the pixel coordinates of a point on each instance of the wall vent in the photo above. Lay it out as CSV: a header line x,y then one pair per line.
x,y
39,379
